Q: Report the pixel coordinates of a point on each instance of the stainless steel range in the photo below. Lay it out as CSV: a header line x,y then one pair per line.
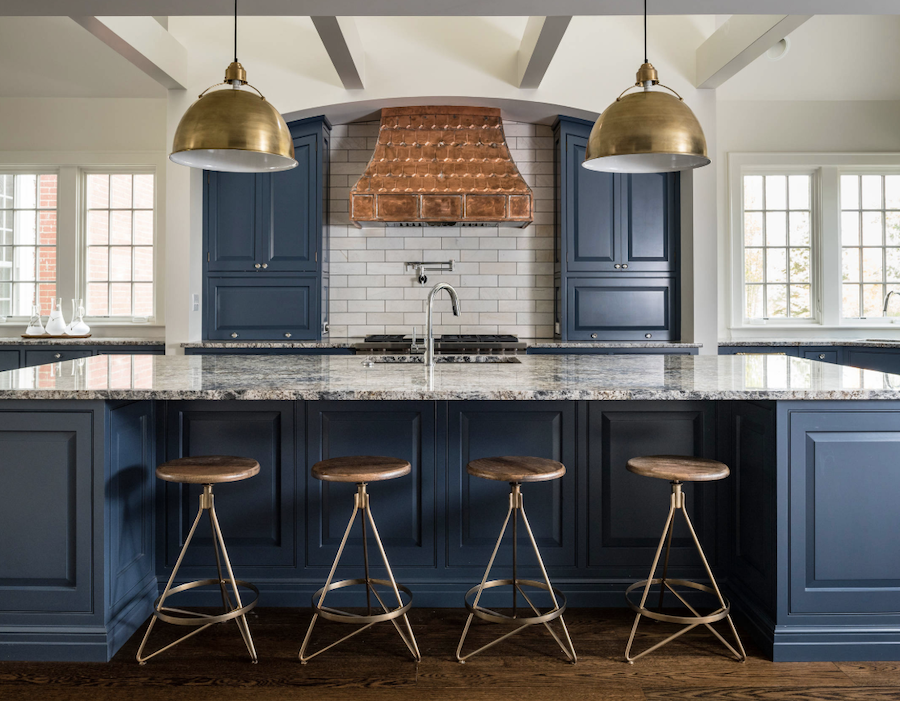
x,y
479,344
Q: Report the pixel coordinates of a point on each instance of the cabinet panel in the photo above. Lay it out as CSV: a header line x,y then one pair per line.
x,y
290,214
46,519
791,351
9,360
824,355
258,516
477,507
260,307
874,359
591,213
620,308
405,509
233,235
649,221
41,357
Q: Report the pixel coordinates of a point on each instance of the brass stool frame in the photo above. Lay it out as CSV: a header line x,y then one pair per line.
x,y
182,617
664,582
516,508
369,619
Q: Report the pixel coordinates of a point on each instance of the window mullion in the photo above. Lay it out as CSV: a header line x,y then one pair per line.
x,y
827,238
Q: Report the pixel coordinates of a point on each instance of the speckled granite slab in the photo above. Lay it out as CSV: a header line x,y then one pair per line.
x,y
875,343
92,341
539,377
609,344
327,343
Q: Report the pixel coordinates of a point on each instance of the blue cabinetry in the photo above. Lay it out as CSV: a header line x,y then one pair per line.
x,y
13,357
264,250
614,231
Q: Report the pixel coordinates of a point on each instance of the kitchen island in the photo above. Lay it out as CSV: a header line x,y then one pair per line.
x,y
802,535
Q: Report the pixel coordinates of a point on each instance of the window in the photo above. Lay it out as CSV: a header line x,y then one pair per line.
x,y
815,240
870,243
777,247
119,245
27,242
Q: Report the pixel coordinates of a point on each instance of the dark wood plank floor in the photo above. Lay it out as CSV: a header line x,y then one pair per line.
x,y
375,665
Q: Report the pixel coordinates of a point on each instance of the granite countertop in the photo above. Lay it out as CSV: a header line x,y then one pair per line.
x,y
92,341
859,343
550,343
351,343
536,377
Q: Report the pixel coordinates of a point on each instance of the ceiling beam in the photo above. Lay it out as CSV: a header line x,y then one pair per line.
x,y
144,42
344,48
539,43
739,42
457,8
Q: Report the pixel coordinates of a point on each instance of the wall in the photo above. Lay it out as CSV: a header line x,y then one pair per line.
x,y
504,276
793,127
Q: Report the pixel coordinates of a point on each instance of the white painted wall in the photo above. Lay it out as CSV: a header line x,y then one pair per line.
x,y
795,126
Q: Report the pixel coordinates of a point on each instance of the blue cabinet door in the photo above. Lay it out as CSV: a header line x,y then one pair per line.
x,y
233,221
592,219
290,212
42,357
261,307
621,308
881,359
9,360
649,221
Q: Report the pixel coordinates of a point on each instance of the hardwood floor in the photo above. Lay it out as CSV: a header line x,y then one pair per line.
x,y
375,665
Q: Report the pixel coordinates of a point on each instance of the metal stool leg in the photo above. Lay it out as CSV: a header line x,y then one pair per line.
x,y
193,618
516,507
361,504
665,583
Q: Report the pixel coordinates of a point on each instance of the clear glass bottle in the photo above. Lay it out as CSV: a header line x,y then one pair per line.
x,y
78,327
56,324
35,325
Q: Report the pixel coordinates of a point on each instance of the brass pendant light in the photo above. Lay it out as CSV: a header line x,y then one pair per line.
x,y
646,132
233,130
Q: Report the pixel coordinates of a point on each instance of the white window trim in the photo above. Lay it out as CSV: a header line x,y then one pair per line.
x,y
826,169
69,165
81,238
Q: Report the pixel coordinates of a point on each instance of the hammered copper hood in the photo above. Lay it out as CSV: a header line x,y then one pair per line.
x,y
441,166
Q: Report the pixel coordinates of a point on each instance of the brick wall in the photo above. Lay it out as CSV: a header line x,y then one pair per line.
x,y
504,276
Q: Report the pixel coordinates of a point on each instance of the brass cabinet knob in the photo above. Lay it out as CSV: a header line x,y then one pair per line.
x,y
624,266
265,265
256,266
593,335
58,355
287,335
821,356
618,266
234,335
648,335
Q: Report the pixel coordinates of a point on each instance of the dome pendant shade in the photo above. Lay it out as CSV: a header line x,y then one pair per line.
x,y
646,132
235,131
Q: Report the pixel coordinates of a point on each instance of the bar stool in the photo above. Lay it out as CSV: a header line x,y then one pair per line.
x,y
206,470
361,469
678,470
516,470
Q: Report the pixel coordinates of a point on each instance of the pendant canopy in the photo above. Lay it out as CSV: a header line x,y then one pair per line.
x,y
233,129
648,131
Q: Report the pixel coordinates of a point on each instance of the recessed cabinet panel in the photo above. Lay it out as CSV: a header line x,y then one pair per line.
x,y
261,307
591,214
650,207
615,308
233,219
290,212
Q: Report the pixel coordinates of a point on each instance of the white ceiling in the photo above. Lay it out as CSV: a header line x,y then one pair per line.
x,y
830,58
362,8
55,57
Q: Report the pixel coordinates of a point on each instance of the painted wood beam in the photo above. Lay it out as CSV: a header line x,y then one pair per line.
x,y
738,42
144,42
539,43
343,45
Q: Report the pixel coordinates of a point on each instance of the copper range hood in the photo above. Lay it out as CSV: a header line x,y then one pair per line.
x,y
441,166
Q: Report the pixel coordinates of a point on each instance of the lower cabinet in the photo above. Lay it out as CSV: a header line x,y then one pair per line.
x,y
610,308
882,359
42,357
262,307
570,350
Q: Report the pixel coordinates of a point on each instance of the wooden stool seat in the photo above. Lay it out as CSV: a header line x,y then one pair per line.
x,y
208,469
679,468
516,468
360,468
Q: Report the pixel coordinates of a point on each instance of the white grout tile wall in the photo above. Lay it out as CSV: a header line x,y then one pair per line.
x,y
504,276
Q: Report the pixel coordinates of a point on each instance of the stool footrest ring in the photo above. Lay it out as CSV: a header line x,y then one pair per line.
x,y
189,618
494,617
333,614
717,615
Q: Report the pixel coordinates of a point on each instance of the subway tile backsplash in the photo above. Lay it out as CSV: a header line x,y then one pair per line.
x,y
504,276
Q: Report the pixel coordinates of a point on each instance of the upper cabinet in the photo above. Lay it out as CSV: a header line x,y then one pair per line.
x,y
268,224
614,225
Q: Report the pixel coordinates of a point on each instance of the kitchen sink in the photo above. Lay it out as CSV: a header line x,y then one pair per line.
x,y
472,359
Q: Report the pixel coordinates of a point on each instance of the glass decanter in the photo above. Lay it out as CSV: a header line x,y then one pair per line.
x,y
56,324
35,325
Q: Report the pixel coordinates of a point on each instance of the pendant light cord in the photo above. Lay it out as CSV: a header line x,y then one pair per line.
x,y
645,31
235,31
